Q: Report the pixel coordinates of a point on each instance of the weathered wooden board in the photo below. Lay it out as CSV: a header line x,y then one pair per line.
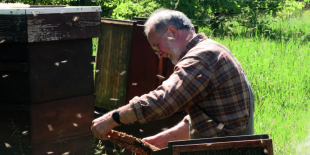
x,y
60,69
143,66
63,26
112,63
14,125
253,147
13,52
14,87
83,145
13,28
61,119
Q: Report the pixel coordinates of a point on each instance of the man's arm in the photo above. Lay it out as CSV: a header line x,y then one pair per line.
x,y
104,124
190,77
178,132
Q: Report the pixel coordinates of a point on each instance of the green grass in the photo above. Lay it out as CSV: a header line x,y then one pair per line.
x,y
279,72
280,76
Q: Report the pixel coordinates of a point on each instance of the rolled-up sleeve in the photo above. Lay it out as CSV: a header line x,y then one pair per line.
x,y
190,77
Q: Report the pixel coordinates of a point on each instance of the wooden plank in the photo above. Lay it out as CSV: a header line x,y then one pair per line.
x,y
262,146
143,66
78,146
218,139
13,28
14,87
14,52
57,120
117,22
112,63
63,26
15,125
140,20
47,6
60,69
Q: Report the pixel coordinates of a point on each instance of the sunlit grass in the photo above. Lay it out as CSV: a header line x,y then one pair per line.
x,y
277,63
280,76
279,72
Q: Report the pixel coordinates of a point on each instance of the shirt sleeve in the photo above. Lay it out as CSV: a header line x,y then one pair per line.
x,y
189,78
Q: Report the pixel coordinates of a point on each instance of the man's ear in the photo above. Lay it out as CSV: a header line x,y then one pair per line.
x,y
174,31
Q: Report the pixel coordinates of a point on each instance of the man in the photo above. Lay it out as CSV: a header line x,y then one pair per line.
x,y
207,82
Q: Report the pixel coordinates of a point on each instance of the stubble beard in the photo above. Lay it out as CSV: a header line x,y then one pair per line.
x,y
174,48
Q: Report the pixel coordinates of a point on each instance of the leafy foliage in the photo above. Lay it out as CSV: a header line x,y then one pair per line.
x,y
130,9
202,12
219,17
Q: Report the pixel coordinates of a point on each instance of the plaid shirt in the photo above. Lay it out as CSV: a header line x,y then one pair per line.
x,y
209,84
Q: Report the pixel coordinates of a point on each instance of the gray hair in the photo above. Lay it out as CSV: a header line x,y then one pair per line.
x,y
162,18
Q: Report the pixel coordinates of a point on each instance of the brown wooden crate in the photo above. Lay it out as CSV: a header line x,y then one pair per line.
x,y
124,48
51,27
78,146
14,87
123,44
52,121
69,79
13,28
112,63
14,120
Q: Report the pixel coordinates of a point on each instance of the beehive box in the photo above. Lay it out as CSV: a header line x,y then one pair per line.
x,y
231,145
126,64
46,69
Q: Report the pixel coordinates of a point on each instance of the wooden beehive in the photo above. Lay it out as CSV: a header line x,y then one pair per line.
x,y
234,145
126,64
46,68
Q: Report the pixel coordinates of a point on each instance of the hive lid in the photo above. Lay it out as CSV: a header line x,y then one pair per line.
x,y
49,10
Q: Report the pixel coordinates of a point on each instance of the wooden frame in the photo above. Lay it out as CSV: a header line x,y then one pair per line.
x,y
266,143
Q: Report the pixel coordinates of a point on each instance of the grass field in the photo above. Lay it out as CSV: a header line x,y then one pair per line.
x,y
280,76
277,63
279,72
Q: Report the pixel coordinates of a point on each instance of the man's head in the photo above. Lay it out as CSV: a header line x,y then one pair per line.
x,y
168,32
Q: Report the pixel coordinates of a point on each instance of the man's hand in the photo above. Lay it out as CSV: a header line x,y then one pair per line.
x,y
102,126
178,132
157,140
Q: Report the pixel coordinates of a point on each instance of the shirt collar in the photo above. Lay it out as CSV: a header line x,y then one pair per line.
x,y
198,38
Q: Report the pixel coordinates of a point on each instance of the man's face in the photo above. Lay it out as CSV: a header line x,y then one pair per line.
x,y
163,45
